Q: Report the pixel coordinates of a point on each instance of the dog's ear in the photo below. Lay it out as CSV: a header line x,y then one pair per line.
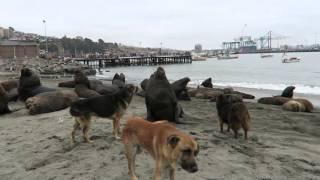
x,y
173,140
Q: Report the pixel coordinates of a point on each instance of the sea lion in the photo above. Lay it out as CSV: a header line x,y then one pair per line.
x,y
276,100
294,106
307,104
288,92
94,83
204,93
30,85
144,84
180,88
11,87
81,78
4,99
50,101
84,92
67,84
13,94
160,98
105,89
207,83
119,80
9,84
71,84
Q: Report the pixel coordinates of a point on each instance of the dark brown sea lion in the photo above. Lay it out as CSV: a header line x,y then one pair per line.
x,y
71,84
84,92
288,92
81,78
276,100
67,84
106,89
30,85
180,88
94,83
9,84
161,101
144,84
204,93
4,99
207,83
50,101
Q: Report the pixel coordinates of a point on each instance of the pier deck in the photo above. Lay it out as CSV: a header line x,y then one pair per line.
x,y
134,61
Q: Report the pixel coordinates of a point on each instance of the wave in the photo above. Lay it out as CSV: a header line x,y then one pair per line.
x,y
305,89
300,88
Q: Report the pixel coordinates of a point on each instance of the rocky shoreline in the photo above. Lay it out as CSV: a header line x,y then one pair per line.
x,y
44,66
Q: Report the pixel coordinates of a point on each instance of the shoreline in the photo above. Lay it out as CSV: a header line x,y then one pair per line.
x,y
258,93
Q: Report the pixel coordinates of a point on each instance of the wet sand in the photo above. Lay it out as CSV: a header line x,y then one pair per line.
x,y
281,145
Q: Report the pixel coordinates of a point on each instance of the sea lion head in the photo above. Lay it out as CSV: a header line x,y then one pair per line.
x,y
26,72
160,74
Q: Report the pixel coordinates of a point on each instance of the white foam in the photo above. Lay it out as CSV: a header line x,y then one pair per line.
x,y
306,89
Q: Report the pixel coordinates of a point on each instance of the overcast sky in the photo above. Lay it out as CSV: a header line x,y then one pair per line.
x,y
176,23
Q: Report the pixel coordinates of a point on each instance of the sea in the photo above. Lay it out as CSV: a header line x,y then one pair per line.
x,y
248,71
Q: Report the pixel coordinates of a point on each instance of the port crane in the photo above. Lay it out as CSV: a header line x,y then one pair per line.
x,y
266,40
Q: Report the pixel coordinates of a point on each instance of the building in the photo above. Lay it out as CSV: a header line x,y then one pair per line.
x,y
198,48
18,49
1,32
243,44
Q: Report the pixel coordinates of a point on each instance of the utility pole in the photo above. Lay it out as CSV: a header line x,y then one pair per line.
x,y
45,34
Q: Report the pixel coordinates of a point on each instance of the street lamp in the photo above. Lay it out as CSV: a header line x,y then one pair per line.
x,y
45,34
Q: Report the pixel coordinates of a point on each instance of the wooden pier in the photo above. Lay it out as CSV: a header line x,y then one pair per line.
x,y
134,61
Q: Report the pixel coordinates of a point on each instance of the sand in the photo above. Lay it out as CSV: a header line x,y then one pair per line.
x,y
281,145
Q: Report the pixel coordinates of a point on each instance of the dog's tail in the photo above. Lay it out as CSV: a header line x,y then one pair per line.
x,y
246,121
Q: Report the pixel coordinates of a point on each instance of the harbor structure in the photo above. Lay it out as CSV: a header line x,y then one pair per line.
x,y
18,49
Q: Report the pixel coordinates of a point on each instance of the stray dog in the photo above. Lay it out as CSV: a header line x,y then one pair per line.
x,y
233,112
111,106
164,143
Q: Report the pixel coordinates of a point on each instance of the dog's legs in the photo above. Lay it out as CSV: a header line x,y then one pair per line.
x,y
235,133
85,130
157,170
116,127
131,155
75,127
171,173
221,125
245,134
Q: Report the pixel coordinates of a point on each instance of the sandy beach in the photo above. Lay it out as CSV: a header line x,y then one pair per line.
x,y
281,145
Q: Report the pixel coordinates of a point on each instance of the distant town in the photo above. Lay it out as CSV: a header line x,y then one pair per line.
x,y
17,44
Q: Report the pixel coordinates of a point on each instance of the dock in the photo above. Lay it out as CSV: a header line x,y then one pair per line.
x,y
134,61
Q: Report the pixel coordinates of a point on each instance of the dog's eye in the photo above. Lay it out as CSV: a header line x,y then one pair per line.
x,y
187,151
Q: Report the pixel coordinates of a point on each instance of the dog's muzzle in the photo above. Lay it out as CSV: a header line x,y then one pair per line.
x,y
190,167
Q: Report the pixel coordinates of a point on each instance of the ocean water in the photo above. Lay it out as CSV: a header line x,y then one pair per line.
x,y
249,71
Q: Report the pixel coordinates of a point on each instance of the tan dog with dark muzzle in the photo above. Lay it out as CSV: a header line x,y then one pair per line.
x,y
165,144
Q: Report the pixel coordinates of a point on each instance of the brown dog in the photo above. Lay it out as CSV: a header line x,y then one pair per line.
x,y
233,112
164,143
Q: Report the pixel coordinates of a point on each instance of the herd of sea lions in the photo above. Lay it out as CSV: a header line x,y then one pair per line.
x,y
94,98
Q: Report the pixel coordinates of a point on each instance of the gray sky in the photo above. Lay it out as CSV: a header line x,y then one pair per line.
x,y
177,23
